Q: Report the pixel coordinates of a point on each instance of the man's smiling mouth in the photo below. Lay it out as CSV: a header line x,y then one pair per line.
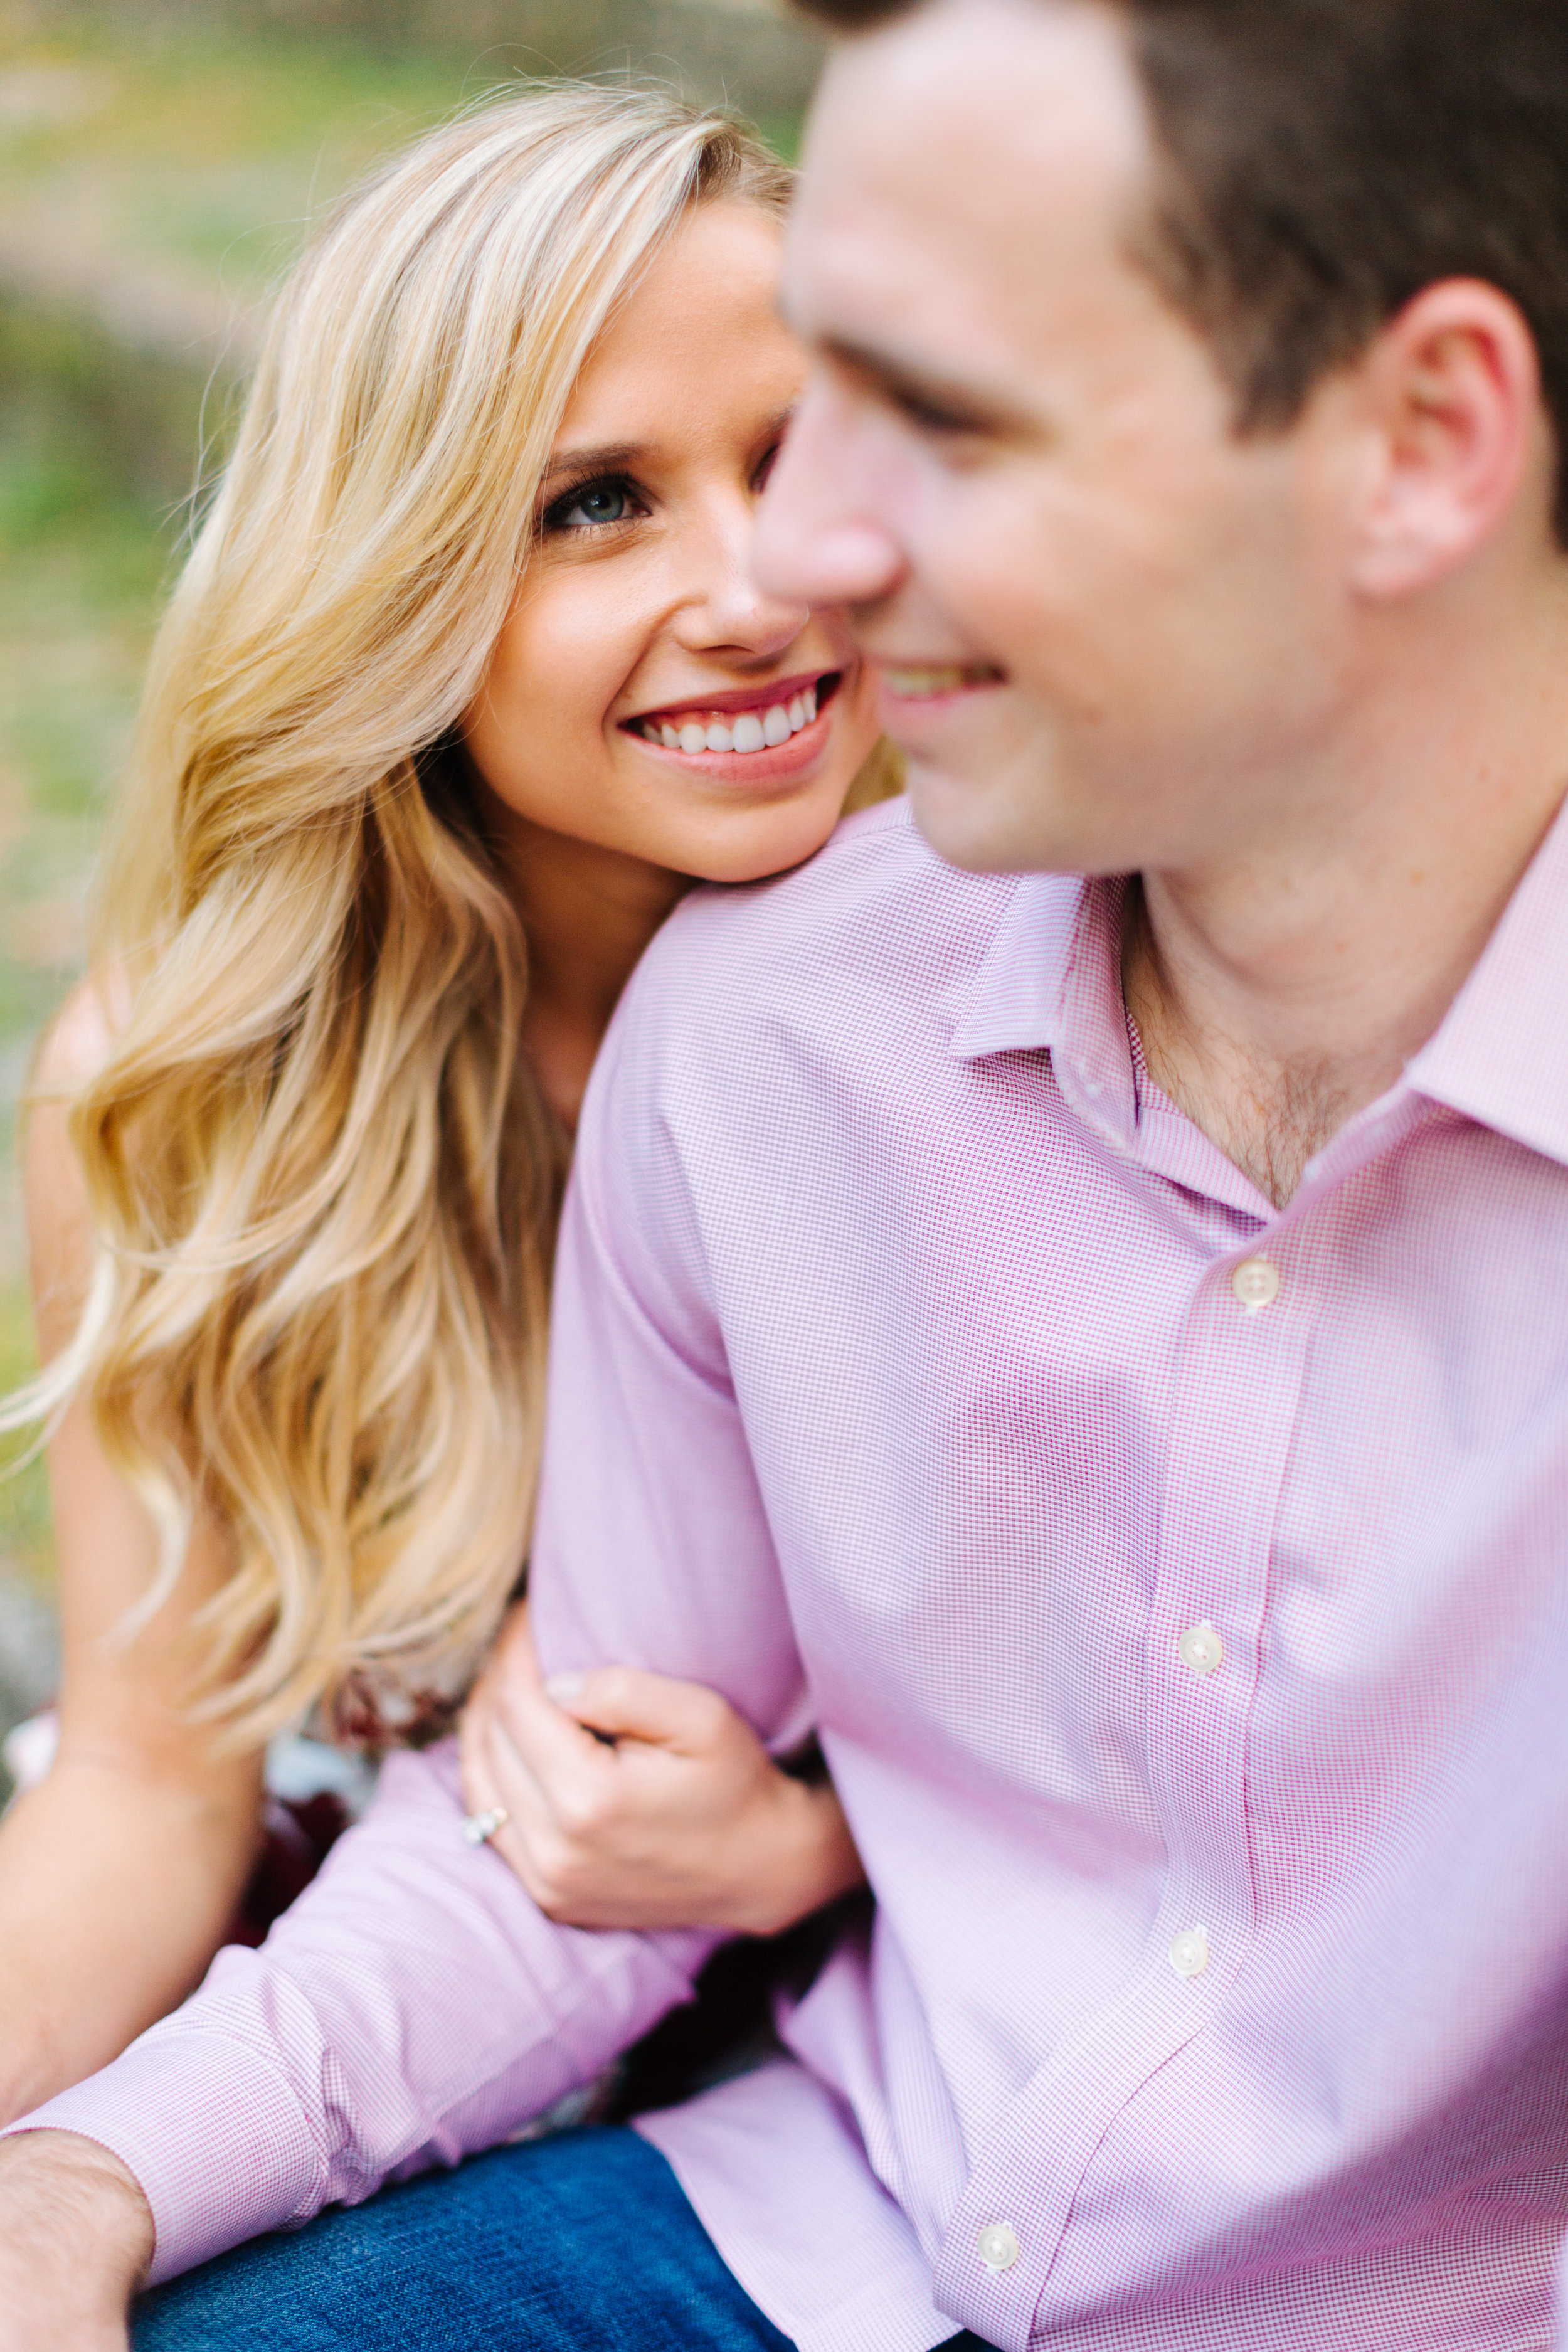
x,y
746,718
924,682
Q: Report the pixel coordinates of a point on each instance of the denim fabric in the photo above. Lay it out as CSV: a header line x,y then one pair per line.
x,y
583,2243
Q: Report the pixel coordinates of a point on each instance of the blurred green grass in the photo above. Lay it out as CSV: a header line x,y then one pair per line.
x,y
196,143
26,1541
81,563
200,145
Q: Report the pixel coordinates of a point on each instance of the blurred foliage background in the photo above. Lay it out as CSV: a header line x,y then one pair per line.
x,y
159,165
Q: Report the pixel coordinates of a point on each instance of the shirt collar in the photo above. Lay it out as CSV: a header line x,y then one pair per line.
x,y
1052,978
1501,1056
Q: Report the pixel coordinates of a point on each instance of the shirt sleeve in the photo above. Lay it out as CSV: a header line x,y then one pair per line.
x,y
415,2005
652,1544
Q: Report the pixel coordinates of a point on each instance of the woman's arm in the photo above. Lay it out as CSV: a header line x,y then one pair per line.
x,y
120,1872
634,1801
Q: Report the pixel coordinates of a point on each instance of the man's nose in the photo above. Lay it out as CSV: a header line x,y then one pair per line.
x,y
818,539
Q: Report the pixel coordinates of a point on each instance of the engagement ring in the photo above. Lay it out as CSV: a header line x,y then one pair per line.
x,y
479,1827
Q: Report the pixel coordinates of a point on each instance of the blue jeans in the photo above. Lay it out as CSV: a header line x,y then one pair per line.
x,y
584,2243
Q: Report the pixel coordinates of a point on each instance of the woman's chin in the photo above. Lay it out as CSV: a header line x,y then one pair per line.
x,y
748,845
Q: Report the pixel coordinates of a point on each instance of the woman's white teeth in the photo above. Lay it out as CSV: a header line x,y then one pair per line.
x,y
749,732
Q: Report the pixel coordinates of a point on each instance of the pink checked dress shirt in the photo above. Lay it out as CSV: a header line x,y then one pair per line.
x,y
1180,1589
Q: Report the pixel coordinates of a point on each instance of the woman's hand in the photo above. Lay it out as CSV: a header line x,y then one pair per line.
x,y
674,1816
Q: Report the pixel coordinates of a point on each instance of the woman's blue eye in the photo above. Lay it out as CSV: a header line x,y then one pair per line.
x,y
600,502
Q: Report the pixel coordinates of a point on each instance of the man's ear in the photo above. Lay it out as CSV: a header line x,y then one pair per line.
x,y
1456,435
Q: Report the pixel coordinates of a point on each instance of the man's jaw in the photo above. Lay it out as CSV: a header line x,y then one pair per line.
x,y
968,747
933,709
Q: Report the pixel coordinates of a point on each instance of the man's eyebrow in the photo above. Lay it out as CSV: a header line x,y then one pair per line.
x,y
955,406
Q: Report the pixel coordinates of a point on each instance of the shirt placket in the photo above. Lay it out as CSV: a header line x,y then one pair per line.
x,y
1236,1398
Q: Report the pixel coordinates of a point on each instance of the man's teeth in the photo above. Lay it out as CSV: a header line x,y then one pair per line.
x,y
917,683
752,731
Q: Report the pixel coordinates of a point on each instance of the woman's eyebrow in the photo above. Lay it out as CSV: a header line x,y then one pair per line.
x,y
607,459
614,456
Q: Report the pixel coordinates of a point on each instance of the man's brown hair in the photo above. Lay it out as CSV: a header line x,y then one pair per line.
x,y
1322,161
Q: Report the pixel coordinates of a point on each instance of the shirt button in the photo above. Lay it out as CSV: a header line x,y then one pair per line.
x,y
1201,1648
1189,1955
999,2247
1256,1283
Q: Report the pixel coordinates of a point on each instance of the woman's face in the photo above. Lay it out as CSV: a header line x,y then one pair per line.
x,y
644,695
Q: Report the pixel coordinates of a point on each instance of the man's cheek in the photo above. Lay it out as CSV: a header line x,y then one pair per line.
x,y
990,576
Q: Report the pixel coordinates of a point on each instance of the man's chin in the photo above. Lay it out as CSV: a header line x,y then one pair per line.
x,y
1003,825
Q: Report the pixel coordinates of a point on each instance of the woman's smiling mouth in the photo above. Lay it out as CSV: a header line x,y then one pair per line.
x,y
746,720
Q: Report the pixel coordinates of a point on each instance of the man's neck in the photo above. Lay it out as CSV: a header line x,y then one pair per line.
x,y
1279,991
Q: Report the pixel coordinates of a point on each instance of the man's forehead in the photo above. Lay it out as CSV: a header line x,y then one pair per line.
x,y
978,145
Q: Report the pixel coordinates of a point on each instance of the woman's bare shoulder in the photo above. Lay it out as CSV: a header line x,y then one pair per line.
x,y
75,1047
80,1038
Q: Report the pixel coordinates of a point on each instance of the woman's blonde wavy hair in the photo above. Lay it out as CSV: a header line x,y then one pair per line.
x,y
323,1179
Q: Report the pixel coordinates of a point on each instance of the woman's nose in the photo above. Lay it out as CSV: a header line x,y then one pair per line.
x,y
726,605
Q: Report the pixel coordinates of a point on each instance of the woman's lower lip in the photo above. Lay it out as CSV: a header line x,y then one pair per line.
x,y
776,764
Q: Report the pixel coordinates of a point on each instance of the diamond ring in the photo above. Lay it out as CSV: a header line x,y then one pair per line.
x,y
479,1828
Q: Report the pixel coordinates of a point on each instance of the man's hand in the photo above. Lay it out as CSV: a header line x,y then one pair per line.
x,y
76,2239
